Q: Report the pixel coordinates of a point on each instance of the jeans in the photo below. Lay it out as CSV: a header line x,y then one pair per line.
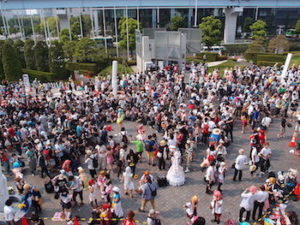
x,y
236,172
242,210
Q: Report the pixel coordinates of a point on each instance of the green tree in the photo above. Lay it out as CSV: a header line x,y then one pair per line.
x,y
297,27
57,60
211,30
75,26
132,26
11,64
87,51
29,54
278,44
86,25
258,29
257,46
69,49
247,23
41,56
177,22
65,35
19,46
2,76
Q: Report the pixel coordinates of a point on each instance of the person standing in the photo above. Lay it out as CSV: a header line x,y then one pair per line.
x,y
210,177
240,164
89,158
247,203
148,191
221,175
128,182
282,127
259,200
9,212
216,206
117,202
266,154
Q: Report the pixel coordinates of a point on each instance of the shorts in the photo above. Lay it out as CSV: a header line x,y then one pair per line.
x,y
151,154
66,205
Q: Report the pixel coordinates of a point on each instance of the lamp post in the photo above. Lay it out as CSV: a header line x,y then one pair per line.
x,y
196,12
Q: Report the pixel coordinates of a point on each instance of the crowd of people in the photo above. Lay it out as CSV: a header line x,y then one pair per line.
x,y
67,136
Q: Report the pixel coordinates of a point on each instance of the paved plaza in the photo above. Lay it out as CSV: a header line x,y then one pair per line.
x,y
170,200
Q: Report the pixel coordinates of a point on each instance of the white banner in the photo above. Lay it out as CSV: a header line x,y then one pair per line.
x,y
26,82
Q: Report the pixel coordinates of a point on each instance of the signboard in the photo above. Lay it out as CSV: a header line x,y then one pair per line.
x,y
26,82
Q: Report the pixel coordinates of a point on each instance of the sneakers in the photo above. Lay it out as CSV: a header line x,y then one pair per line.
x,y
187,170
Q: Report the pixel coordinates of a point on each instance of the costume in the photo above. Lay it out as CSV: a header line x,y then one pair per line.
x,y
175,174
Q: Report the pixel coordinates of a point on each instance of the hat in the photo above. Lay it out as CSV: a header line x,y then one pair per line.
x,y
162,143
253,189
116,189
216,131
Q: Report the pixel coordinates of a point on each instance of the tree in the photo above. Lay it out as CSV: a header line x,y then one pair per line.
x,y
57,60
211,30
297,27
258,29
87,51
2,76
257,46
11,64
69,49
19,45
247,23
278,44
65,35
75,26
177,22
41,56
29,54
132,26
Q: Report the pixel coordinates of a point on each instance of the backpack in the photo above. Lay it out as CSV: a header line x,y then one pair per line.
x,y
95,162
205,129
153,192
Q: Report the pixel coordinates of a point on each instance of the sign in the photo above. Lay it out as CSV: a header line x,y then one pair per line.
x,y
26,82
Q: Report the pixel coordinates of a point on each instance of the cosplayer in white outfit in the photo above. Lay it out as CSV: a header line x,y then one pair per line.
x,y
175,174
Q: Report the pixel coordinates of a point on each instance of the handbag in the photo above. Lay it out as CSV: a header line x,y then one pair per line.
x,y
153,192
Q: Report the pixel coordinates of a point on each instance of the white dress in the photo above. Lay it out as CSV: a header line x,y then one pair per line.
x,y
176,176
128,181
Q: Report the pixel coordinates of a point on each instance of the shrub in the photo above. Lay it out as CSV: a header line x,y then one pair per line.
x,y
236,49
131,62
264,57
221,57
210,56
88,67
268,63
40,75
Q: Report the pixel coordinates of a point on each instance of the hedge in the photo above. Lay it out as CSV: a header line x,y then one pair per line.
x,y
268,63
236,49
40,75
89,67
210,56
265,57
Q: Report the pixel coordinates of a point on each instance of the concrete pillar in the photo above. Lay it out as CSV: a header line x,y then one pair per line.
x,y
154,18
173,12
230,24
190,15
114,79
96,22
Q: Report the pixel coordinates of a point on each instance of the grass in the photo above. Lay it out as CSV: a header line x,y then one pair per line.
x,y
121,70
295,60
223,66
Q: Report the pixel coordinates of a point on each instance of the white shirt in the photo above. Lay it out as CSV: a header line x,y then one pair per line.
x,y
9,213
217,206
240,162
261,196
210,174
254,156
247,200
266,151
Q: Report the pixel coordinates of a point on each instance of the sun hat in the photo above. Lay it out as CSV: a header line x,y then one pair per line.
x,y
116,189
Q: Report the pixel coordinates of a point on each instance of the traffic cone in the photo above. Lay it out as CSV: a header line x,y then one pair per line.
x,y
293,141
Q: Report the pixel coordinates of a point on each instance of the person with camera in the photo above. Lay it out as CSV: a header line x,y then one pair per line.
x,y
148,192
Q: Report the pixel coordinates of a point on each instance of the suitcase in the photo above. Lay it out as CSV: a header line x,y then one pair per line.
x,y
162,182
